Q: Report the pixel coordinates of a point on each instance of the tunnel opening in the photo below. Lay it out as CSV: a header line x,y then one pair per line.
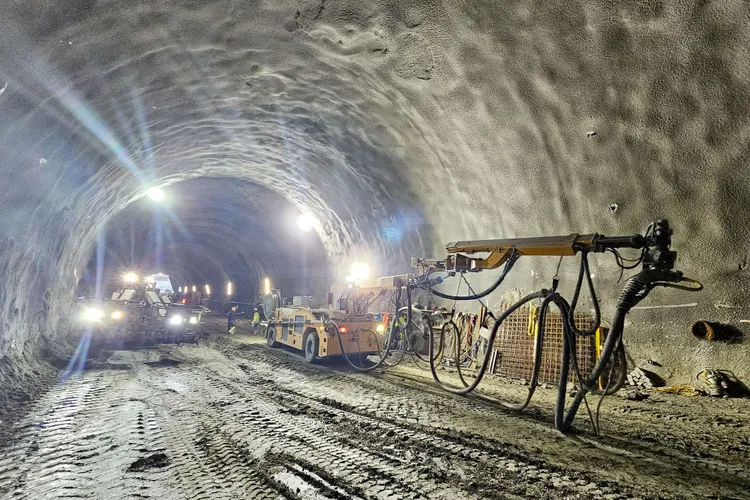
x,y
211,231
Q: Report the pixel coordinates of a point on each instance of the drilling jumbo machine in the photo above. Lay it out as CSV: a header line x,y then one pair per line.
x,y
656,261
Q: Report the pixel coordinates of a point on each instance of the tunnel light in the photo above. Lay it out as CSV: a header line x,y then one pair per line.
x,y
359,272
176,320
208,289
380,328
92,314
116,315
267,286
156,194
129,277
306,221
342,329
229,289
194,288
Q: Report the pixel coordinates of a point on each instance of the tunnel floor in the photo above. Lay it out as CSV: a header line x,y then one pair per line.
x,y
232,418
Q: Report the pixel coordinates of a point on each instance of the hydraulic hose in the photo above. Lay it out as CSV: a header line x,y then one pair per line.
x,y
635,290
570,316
388,342
332,324
482,369
508,266
412,348
538,346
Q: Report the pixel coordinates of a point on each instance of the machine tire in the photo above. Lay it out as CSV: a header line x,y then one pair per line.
x,y
311,347
271,335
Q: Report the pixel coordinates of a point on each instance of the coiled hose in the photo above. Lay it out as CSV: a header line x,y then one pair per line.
x,y
508,266
570,316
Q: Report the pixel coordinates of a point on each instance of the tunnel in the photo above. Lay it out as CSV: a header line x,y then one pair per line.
x,y
395,127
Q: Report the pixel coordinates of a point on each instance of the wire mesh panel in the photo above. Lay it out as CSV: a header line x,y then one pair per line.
x,y
514,344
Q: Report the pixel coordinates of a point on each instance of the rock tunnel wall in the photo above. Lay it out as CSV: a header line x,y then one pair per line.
x,y
400,125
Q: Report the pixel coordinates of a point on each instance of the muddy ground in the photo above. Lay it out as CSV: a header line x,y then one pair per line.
x,y
232,418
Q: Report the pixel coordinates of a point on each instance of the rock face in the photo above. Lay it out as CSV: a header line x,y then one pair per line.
x,y
399,125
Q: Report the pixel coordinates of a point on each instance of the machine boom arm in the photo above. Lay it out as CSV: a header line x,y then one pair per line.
x,y
499,250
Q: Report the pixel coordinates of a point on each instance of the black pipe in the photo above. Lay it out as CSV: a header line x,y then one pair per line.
x,y
635,290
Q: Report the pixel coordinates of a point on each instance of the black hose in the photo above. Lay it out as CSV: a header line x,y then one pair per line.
x,y
508,266
388,342
491,341
635,290
570,316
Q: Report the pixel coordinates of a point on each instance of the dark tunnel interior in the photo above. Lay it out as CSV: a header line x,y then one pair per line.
x,y
397,126
211,231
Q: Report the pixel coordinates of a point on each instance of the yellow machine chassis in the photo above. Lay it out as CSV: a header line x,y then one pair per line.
x,y
292,326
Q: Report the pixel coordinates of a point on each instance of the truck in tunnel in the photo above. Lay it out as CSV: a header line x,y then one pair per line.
x,y
552,196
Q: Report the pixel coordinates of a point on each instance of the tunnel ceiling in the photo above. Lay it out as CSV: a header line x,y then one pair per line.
x,y
400,125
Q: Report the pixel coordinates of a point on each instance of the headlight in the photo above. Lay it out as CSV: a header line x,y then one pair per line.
x,y
92,314
176,320
380,328
117,315
193,320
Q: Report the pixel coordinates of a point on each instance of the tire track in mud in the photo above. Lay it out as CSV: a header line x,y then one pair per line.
x,y
224,421
259,425
351,450
81,442
670,470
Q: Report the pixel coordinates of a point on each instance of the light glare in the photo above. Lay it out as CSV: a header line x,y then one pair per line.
x,y
306,221
267,286
155,194
360,271
92,314
129,277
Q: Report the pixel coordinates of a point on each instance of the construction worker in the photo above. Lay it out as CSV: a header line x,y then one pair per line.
x,y
232,320
256,318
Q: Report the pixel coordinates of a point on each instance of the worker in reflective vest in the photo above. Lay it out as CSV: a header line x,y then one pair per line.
x,y
256,318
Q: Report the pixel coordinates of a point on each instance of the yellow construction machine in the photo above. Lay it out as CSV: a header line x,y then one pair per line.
x,y
315,331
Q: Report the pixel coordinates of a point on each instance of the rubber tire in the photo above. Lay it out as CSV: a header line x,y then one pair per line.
x,y
311,347
271,335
